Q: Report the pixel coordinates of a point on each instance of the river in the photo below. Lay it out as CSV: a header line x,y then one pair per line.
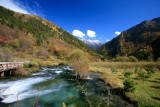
x,y
57,85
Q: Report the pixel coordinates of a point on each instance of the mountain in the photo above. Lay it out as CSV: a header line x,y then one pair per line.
x,y
27,36
141,41
93,44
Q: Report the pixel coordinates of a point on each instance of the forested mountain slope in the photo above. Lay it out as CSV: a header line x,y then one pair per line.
x,y
24,35
141,41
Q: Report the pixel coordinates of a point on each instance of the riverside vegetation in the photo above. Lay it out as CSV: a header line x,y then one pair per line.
x,y
140,80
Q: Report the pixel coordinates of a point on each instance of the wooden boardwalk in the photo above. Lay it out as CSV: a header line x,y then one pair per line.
x,y
8,66
4,66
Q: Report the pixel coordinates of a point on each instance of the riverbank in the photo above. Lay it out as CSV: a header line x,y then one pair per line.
x,y
146,93
35,65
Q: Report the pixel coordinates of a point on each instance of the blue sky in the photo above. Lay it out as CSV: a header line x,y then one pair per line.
x,y
90,19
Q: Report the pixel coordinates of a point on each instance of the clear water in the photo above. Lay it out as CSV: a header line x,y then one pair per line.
x,y
55,86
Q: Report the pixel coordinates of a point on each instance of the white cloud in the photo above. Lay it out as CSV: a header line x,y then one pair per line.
x,y
117,33
13,5
91,33
21,7
78,33
107,40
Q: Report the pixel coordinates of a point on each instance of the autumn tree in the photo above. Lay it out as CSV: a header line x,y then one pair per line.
x,y
79,62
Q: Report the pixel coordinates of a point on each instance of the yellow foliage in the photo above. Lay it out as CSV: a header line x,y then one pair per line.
x,y
48,63
55,29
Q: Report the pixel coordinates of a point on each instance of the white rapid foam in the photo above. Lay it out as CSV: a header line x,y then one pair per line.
x,y
22,88
68,68
39,73
58,72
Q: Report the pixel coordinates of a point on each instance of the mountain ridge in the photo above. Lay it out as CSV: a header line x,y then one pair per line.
x,y
93,44
136,41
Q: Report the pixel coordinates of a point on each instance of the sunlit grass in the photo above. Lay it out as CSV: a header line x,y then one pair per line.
x,y
147,93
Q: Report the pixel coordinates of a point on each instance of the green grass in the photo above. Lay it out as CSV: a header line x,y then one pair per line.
x,y
147,93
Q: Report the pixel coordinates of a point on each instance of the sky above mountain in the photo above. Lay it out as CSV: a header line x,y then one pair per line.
x,y
90,19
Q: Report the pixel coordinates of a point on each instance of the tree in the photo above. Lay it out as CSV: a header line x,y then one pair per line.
x,y
129,85
79,62
143,75
16,42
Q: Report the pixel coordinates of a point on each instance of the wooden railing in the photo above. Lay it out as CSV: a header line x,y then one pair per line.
x,y
9,65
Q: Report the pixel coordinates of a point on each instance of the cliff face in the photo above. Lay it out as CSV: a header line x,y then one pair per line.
x,y
141,41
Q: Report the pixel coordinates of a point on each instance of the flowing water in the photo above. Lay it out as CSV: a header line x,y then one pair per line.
x,y
57,85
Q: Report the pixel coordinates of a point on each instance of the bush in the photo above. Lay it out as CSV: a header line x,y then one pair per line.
x,y
48,63
136,70
133,59
122,59
129,85
143,75
26,65
20,72
33,64
158,60
127,74
6,55
79,62
36,60
114,70
150,71
62,63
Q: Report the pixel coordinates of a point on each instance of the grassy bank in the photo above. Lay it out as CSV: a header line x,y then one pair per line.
x,y
147,93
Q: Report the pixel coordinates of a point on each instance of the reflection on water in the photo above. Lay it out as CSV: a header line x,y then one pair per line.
x,y
56,85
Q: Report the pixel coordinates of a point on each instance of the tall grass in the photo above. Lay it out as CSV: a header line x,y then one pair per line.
x,y
20,72
126,64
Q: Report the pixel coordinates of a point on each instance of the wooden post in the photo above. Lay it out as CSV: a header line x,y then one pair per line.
x,y
2,75
10,72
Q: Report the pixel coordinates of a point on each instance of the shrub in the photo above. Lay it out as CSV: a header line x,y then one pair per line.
x,y
114,70
143,75
122,59
158,60
79,62
150,71
127,74
136,70
129,85
48,63
6,55
33,64
133,59
26,65
36,60
20,72
16,42
62,63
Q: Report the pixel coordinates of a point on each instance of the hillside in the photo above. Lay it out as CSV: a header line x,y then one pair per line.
x,y
142,41
26,36
93,44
